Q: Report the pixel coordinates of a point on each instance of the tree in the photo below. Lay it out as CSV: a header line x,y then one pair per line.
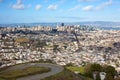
x,y
109,70
109,77
55,48
90,68
118,78
40,44
65,47
96,67
0,63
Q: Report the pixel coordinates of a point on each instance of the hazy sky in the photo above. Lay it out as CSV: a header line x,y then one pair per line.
x,y
27,11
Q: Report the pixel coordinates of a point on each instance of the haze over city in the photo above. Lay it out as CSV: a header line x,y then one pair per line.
x,y
29,11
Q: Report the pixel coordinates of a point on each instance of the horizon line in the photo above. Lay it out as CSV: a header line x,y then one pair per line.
x,y
53,22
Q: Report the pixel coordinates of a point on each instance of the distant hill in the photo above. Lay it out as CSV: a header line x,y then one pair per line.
x,y
103,24
99,24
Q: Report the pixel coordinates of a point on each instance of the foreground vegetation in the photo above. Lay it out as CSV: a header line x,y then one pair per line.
x,y
76,69
40,61
80,71
64,75
89,69
12,75
2,75
69,72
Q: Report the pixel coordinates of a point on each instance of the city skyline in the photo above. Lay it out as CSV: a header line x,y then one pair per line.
x,y
29,11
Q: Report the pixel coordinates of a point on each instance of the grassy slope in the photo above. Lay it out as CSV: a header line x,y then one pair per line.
x,y
40,61
12,75
74,69
64,75
80,70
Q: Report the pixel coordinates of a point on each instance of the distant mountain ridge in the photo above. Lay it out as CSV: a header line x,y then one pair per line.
x,y
103,23
99,24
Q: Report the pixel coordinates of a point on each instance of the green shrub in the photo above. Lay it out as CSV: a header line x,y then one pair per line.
x,y
109,70
109,77
90,68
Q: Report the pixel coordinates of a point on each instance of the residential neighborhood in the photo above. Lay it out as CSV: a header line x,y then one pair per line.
x,y
21,45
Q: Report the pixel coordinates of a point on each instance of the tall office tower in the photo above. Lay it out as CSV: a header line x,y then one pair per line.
x,y
62,24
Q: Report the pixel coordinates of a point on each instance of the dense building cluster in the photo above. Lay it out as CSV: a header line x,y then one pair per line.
x,y
77,45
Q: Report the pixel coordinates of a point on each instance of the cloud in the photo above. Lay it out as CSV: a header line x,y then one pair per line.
x,y
52,7
88,8
38,7
75,8
102,6
105,4
19,5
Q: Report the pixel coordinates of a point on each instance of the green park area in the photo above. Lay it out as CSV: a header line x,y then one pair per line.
x,y
76,69
64,75
12,75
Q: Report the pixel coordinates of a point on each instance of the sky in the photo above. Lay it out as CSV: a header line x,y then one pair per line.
x,y
38,11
